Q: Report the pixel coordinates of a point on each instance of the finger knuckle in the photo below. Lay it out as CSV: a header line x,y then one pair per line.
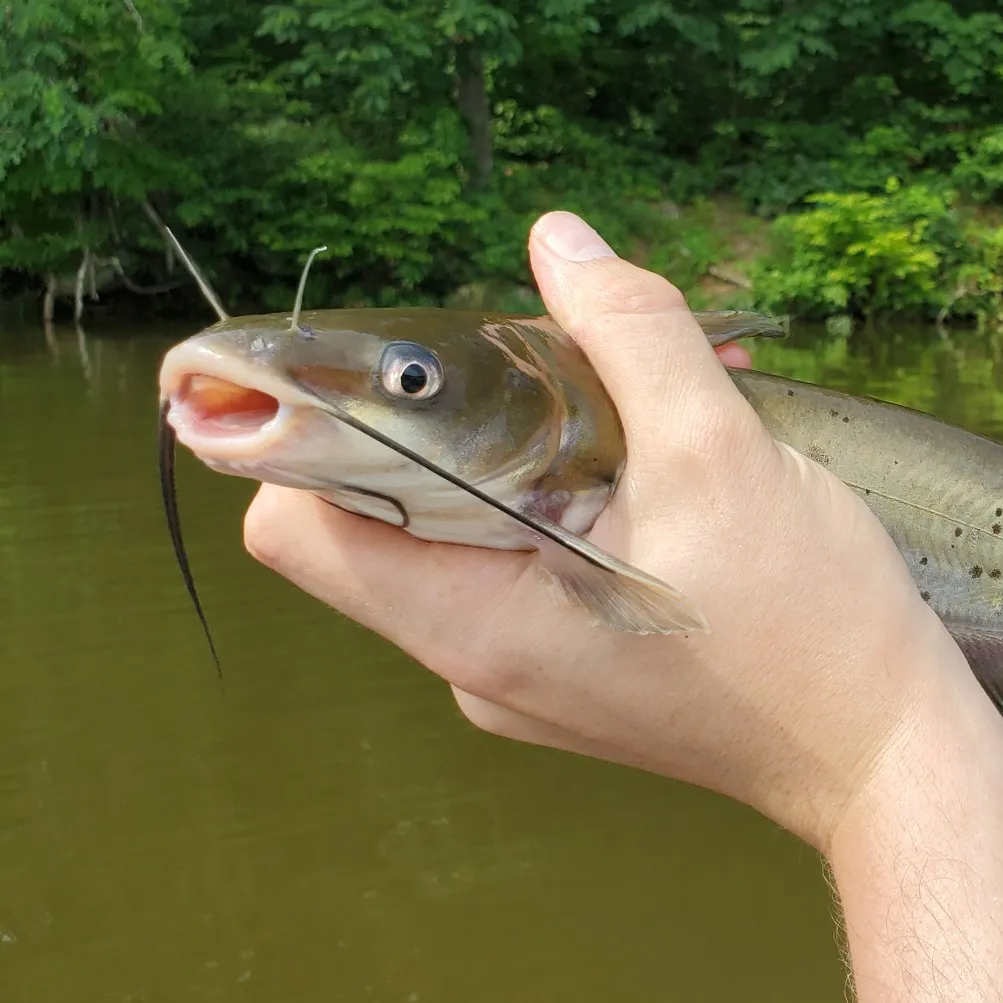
x,y
492,676
637,292
482,714
621,290
262,539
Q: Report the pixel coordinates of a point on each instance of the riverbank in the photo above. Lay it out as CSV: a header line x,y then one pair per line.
x,y
915,253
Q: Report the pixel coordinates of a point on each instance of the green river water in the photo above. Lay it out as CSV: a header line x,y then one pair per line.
x,y
326,826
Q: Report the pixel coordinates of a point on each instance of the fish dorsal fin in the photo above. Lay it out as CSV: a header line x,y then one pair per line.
x,y
724,326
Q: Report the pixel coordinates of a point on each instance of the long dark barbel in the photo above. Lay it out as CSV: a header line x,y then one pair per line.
x,y
167,439
166,442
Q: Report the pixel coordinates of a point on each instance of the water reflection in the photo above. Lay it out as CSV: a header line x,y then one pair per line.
x,y
327,827
957,376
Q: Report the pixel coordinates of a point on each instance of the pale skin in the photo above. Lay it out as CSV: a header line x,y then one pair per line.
x,y
826,694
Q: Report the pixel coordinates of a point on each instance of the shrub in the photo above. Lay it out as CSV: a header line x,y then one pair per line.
x,y
862,253
979,173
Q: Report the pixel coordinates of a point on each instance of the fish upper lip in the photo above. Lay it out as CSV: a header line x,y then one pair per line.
x,y
194,359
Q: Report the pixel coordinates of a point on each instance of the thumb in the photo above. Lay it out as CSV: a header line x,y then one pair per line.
x,y
635,327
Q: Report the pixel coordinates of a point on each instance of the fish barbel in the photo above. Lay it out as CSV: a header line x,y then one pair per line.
x,y
493,430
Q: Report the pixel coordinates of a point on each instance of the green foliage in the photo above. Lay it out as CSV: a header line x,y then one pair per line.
x,y
980,170
79,76
392,226
979,279
906,250
857,253
419,139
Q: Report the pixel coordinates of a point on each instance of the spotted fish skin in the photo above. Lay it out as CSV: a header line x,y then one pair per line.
x,y
937,489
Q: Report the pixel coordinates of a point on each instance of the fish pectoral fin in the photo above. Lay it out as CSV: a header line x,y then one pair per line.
x,y
615,593
983,647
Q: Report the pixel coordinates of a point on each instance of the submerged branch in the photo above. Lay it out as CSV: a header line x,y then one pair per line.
x,y
78,292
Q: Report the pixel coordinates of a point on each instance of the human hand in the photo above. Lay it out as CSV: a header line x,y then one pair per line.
x,y
820,652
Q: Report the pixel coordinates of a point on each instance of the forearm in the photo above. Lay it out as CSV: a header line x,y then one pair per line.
x,y
918,861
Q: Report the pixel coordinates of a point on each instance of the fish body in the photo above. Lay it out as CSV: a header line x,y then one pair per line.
x,y
492,430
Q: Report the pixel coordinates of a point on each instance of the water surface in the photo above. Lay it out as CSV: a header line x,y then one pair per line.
x,y
327,827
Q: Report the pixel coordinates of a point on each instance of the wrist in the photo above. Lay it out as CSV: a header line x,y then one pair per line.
x,y
917,856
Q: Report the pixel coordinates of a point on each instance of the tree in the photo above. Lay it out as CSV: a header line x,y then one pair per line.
x,y
81,77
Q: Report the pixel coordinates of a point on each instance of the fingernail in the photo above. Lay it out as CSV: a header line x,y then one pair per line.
x,y
572,238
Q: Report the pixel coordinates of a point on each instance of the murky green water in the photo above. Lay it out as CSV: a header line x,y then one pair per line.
x,y
328,827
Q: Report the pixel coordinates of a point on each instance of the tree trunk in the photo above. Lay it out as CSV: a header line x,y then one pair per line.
x,y
472,99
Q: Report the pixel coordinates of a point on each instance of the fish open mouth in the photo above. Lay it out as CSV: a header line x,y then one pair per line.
x,y
222,420
209,406
225,407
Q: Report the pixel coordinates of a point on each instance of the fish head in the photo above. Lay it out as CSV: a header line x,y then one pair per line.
x,y
481,396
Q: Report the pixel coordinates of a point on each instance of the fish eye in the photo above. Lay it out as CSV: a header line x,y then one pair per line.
x,y
410,371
